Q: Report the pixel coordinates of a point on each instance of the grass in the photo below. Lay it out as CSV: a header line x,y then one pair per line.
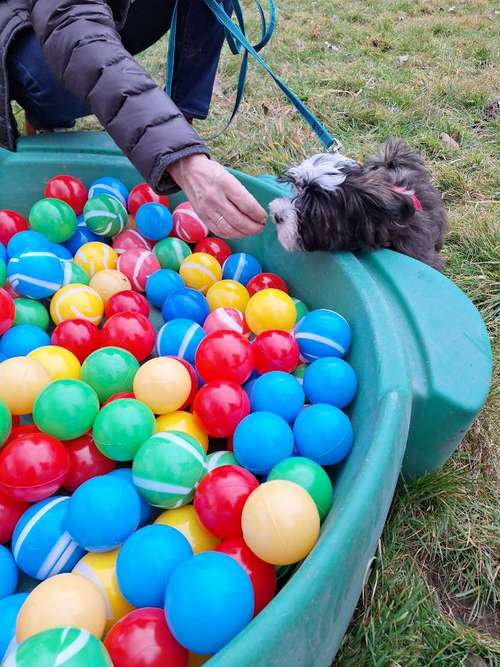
x,y
417,69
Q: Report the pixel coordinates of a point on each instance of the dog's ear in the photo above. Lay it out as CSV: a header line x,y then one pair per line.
x,y
324,171
375,198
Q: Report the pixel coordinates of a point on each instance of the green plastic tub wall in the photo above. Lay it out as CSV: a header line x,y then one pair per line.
x,y
423,361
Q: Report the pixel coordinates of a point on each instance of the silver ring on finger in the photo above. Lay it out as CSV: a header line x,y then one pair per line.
x,y
219,220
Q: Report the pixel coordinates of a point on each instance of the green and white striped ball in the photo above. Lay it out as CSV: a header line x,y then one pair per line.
x,y
167,468
65,647
171,252
218,459
75,274
299,373
301,309
105,215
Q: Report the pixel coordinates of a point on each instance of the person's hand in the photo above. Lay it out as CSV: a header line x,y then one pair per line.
x,y
224,205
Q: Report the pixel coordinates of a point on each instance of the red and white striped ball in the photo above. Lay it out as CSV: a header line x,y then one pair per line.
x,y
226,319
138,265
187,225
130,239
141,194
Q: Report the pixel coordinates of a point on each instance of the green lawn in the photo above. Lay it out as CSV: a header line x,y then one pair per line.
x,y
416,69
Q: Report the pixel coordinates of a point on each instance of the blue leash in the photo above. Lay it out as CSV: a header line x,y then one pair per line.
x,y
237,41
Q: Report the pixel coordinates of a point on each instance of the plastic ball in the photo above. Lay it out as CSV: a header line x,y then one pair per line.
x,y
121,427
186,303
130,239
11,222
275,351
3,270
186,520
225,319
30,312
299,373
142,193
37,274
270,309
79,336
7,311
85,462
61,252
9,609
330,380
171,252
105,215
225,355
262,574
8,572
200,271
188,226
220,406
154,221
127,301
157,550
228,294
130,331
241,267
21,340
59,362
66,409
102,513
220,497
109,370
74,274
68,189
301,309
66,599
109,282
221,458
53,218
279,393
215,247
265,281
96,256
143,639
126,475
21,380
209,601
162,284
323,333
3,252
76,301
120,394
138,265
27,241
185,422
261,440
10,512
110,186
163,384
81,236
179,338
323,433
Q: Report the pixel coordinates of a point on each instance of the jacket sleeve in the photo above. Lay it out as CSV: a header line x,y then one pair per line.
x,y
84,50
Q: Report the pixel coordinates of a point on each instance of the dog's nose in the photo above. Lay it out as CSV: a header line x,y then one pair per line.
x,y
277,218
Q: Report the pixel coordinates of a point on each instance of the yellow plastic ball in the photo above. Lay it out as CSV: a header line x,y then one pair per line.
x,y
185,422
59,362
270,309
187,522
228,294
109,282
163,384
100,569
21,380
95,256
76,301
62,601
280,522
200,271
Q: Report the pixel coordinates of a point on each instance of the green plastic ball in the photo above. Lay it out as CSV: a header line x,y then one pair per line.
x,y
29,311
66,409
299,373
110,370
167,468
218,459
171,253
3,273
121,427
301,309
53,218
73,273
105,215
310,476
5,422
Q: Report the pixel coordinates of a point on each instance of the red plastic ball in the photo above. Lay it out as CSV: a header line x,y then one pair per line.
x,y
220,406
85,461
225,355
275,350
142,193
69,189
33,466
194,381
11,291
215,247
142,639
132,332
220,497
10,511
78,336
22,429
129,239
11,222
262,575
127,301
138,265
7,311
265,281
120,394
187,225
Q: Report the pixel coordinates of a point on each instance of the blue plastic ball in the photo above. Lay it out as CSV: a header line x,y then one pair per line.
x,y
330,380
8,572
262,440
161,284
107,185
323,333
241,267
249,385
81,236
9,609
27,240
323,433
40,543
61,252
278,392
209,601
37,274
186,303
146,509
156,550
22,339
154,221
102,513
3,253
179,338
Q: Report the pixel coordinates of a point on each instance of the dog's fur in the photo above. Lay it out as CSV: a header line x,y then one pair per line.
x,y
339,204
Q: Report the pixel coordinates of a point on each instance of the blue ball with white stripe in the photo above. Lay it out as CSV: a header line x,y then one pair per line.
x,y
154,221
27,240
9,610
8,572
37,274
186,303
241,267
61,252
323,333
162,284
179,338
81,236
23,339
41,545
107,185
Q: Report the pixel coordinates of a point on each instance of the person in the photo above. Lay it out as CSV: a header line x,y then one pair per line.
x,y
64,59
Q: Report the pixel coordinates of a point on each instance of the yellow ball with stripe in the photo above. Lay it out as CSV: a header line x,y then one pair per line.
x,y
58,361
185,422
228,294
76,301
95,256
185,520
200,271
109,282
100,569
